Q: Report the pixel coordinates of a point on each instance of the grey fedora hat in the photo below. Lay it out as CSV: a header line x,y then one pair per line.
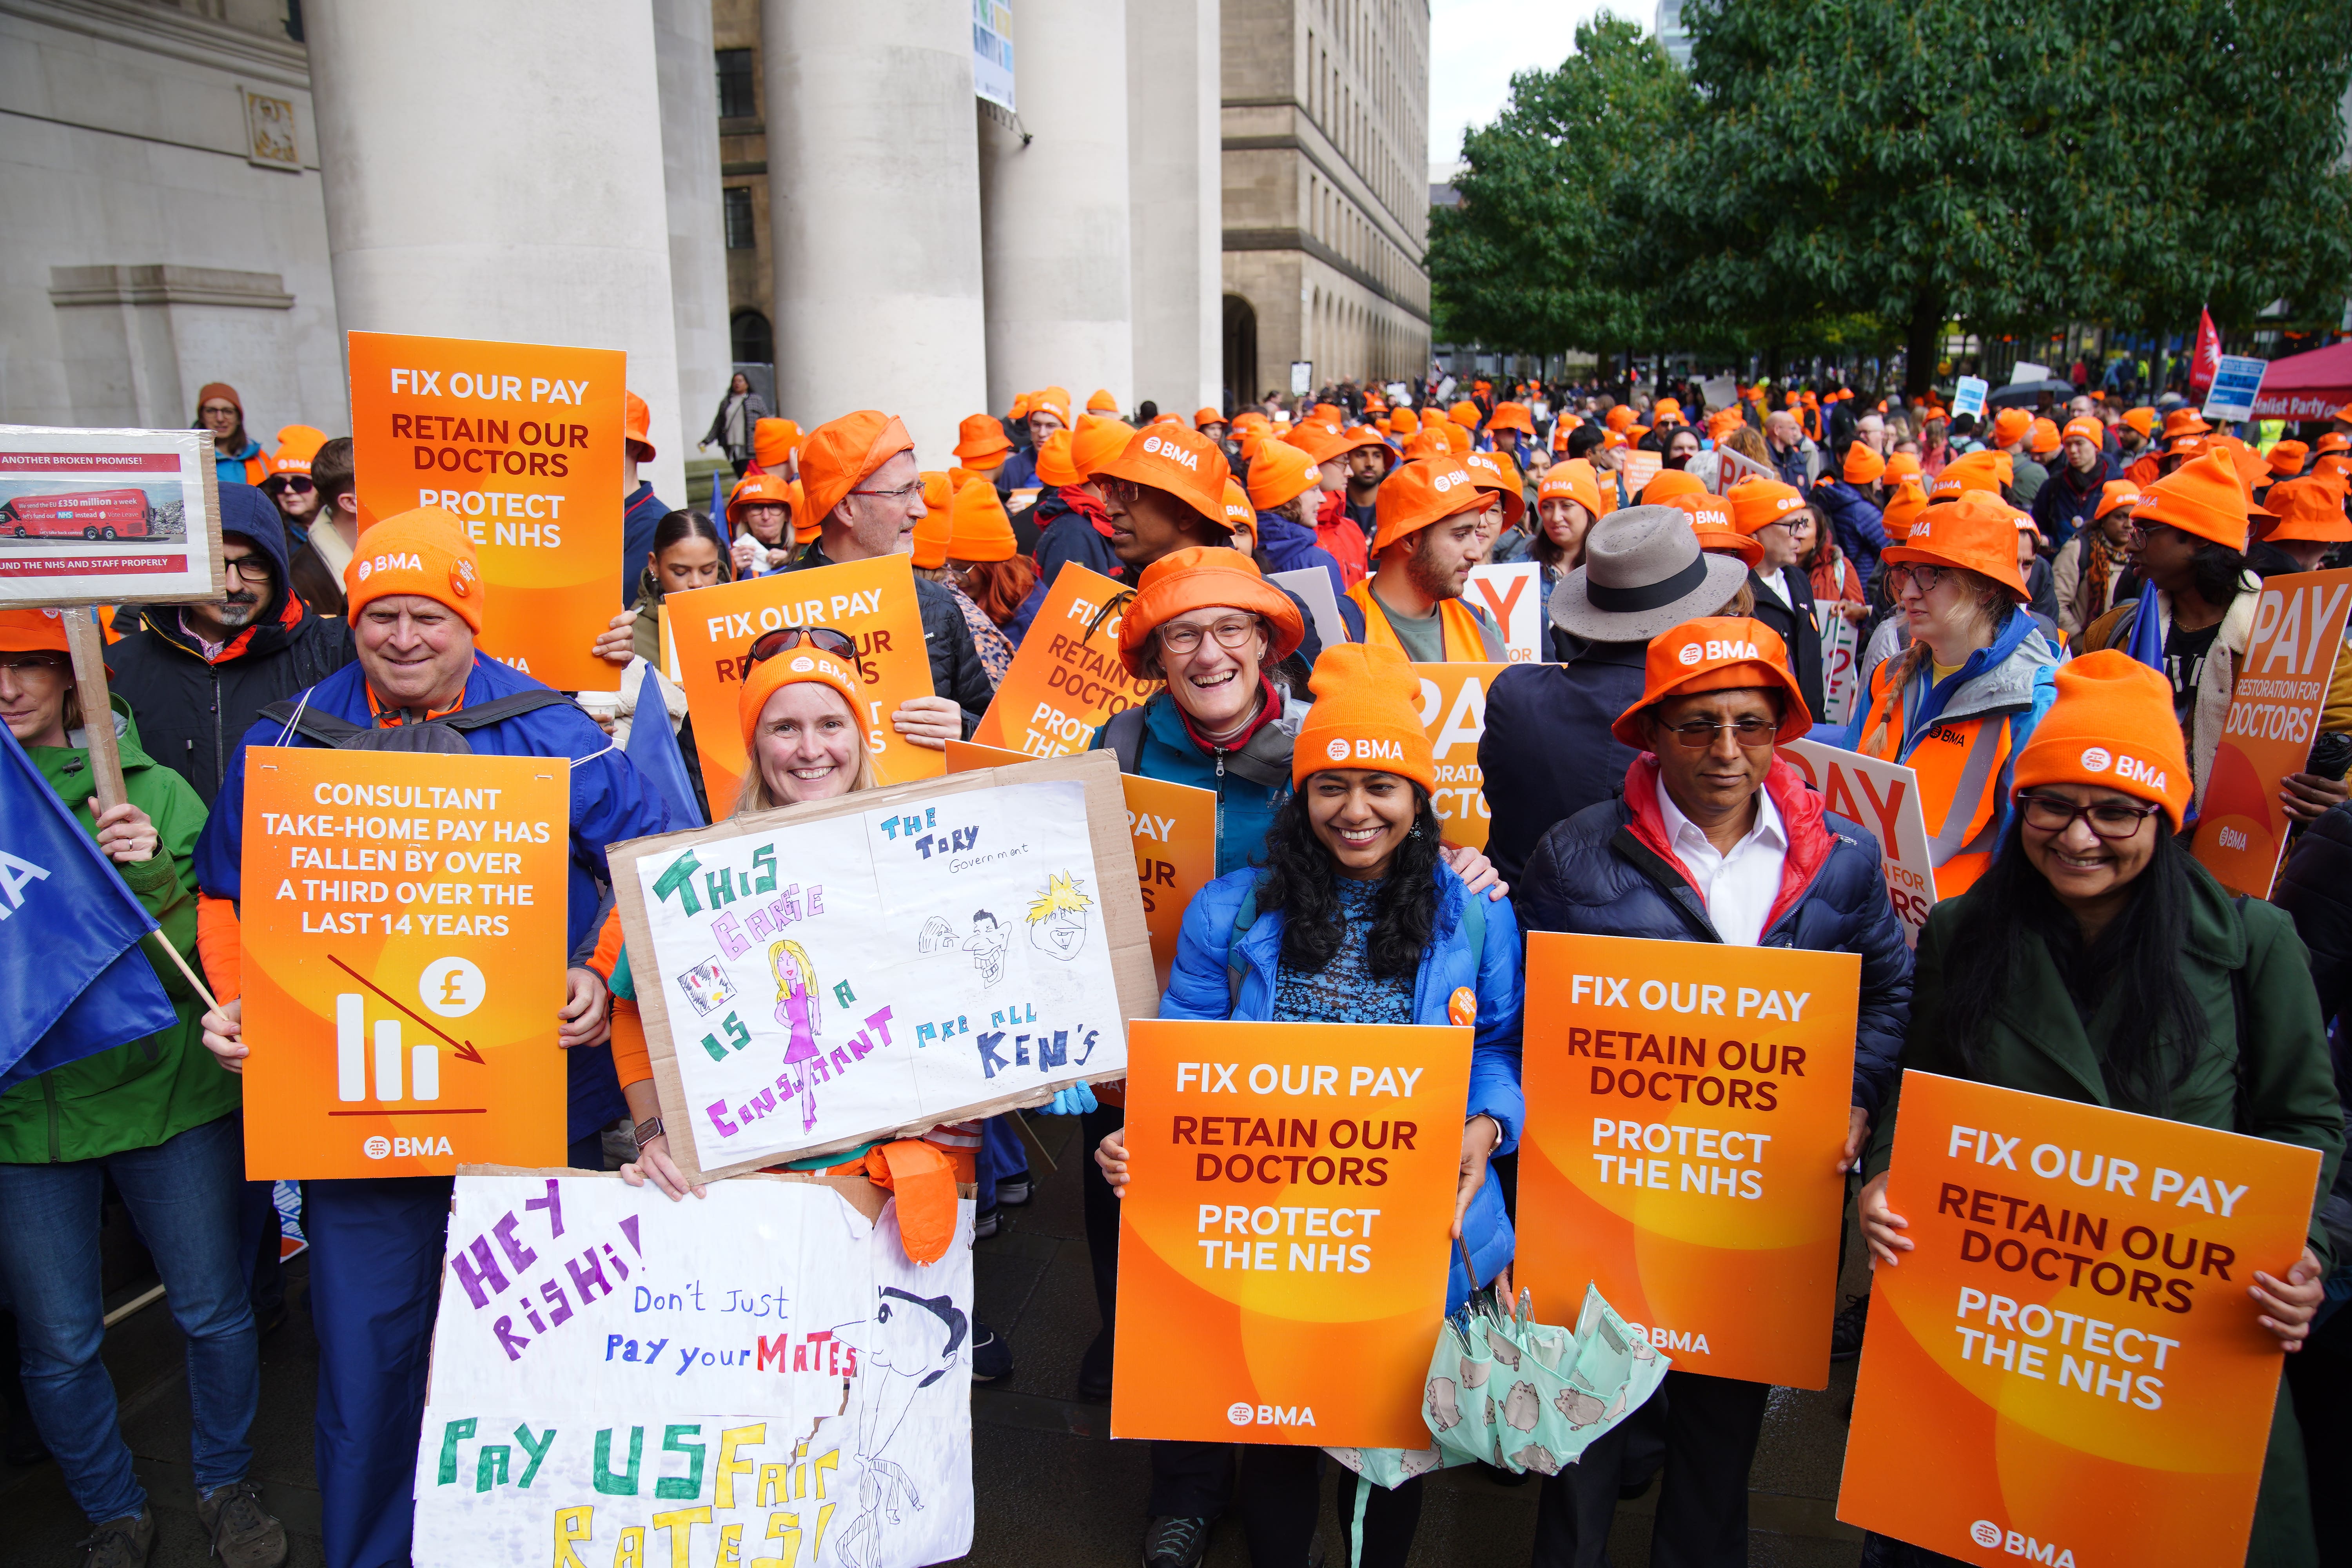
x,y
1642,573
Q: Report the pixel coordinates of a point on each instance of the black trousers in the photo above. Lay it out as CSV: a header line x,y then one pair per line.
x,y
1281,1495
1710,1426
1100,1208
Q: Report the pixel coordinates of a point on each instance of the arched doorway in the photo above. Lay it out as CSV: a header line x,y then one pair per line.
x,y
1241,351
754,339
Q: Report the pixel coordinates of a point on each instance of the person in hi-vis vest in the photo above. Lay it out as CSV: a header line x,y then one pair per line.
x,y
1959,703
1430,532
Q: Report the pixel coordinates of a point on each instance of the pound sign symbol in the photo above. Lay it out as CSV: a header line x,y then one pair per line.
x,y
451,995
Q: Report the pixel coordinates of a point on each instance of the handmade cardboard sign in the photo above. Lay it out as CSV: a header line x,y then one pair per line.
x,y
1283,1244
1882,797
109,517
1175,831
404,948
1454,711
871,601
758,1376
2242,828
875,964
1066,679
1841,667
1686,1102
2067,1368
522,441
1513,595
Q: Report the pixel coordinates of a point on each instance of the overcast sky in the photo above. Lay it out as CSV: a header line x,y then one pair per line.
x,y
1475,44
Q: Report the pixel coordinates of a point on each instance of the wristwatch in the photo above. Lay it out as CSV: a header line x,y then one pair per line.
x,y
650,1128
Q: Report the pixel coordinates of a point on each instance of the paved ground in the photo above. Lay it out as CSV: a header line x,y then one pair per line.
x,y
1052,1490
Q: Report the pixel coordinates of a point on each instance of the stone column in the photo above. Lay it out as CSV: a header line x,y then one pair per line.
x,y
1175,189
493,172
686,70
1054,208
874,188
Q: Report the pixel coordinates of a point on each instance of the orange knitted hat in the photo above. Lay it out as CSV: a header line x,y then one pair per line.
x,y
932,531
1097,441
2111,727
1758,503
425,552
772,674
775,442
1572,480
1279,472
979,529
1862,465
1367,714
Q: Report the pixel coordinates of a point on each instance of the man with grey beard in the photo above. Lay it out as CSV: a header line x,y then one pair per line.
x,y
197,676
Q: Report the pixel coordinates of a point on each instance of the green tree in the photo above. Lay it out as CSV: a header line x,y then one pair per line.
x,y
1541,255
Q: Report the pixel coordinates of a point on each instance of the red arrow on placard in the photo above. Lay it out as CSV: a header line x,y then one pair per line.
x,y
462,1049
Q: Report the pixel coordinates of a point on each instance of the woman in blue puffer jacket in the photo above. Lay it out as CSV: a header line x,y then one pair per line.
x,y
1357,919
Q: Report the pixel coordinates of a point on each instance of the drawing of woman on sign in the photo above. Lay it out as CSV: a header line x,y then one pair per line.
x,y
801,1009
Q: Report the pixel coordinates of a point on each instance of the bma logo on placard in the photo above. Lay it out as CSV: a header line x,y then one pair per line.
x,y
1242,1413
2016,1544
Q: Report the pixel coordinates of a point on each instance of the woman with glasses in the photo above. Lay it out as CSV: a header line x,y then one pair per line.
x,y
2096,961
237,456
1960,702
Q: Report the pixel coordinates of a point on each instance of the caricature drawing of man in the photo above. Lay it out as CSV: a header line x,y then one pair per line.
x,y
989,939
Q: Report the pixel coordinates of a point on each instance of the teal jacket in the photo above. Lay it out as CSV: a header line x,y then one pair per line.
x,y
139,1094
1250,783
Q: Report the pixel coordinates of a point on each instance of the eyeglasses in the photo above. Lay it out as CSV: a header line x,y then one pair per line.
x,y
2110,819
1922,578
1127,492
901,493
1184,636
1698,734
18,663
252,568
768,645
299,483
210,409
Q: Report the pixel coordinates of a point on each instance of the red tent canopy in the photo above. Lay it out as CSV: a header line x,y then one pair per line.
x,y
2308,386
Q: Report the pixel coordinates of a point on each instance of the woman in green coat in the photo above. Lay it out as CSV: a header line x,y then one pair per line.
x,y
159,1119
2098,962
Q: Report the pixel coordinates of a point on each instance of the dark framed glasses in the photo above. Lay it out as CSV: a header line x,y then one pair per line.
x,y
2110,819
299,484
768,645
1922,578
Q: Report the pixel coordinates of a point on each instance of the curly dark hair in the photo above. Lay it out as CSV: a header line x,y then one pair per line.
x,y
1300,882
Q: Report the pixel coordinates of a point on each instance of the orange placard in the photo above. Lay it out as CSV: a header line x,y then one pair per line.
x,y
404,920
1283,1246
873,601
1454,711
2273,717
1686,1102
523,442
1637,468
1064,682
1175,831
2067,1368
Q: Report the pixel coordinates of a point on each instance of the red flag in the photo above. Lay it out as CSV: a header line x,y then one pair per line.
x,y
2206,363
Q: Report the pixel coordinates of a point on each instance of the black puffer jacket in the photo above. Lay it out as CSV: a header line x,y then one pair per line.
x,y
2316,891
192,713
1609,871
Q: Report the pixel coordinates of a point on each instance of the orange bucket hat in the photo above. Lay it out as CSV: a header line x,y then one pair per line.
x,y
1419,493
1200,577
1367,437
978,435
1184,463
2111,726
979,529
1716,541
841,453
1280,472
1367,714
2184,422
775,442
1512,416
2202,496
757,487
36,630
1204,418
1429,441
2334,441
1096,441
1497,474
427,552
1572,480
1320,439
2286,458
2310,509
1977,533
637,424
794,665
1716,653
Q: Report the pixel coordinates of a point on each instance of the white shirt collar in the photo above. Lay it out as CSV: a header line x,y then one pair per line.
x,y
1682,832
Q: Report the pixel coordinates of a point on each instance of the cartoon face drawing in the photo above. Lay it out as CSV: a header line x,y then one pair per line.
x,y
986,944
938,936
1058,918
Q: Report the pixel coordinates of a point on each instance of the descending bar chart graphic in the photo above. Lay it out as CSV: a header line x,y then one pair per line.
x,y
352,1076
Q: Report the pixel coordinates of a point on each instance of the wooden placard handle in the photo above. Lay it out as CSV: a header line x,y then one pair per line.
x,y
88,647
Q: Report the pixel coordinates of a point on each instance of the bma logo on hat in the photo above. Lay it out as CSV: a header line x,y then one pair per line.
x,y
1444,482
1337,751
1692,653
364,568
803,665
2097,760
1172,452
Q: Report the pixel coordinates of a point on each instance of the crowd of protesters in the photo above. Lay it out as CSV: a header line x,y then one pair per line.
x,y
2024,586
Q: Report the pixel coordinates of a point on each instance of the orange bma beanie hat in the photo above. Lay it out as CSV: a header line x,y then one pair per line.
x,y
1280,472
1716,653
1367,714
772,674
2111,727
840,453
424,553
979,529
1862,465
1097,441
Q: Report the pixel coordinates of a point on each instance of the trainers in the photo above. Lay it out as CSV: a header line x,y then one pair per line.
x,y
983,1223
1845,1329
1175,1543
992,1358
1012,1191
121,1542
243,1536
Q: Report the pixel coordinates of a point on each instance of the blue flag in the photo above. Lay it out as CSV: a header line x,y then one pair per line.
x,y
72,980
653,746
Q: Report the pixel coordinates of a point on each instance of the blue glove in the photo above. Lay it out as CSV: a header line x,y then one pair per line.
x,y
1075,1100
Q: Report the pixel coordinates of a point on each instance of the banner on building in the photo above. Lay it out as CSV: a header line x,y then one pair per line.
x,y
403,962
108,517
1283,1247
523,442
991,52
759,1375
1686,1102
877,963
2066,1367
